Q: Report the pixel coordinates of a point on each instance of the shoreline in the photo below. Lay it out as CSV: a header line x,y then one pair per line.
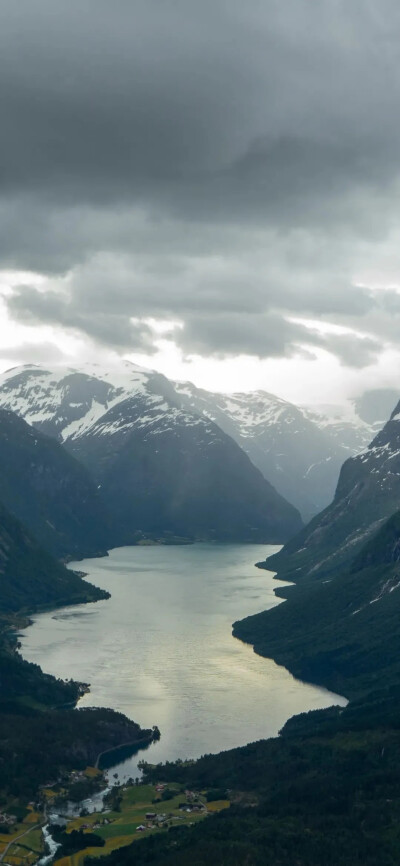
x,y
142,741
148,739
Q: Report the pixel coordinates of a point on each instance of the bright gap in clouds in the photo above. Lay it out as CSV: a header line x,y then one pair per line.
x,y
300,380
312,376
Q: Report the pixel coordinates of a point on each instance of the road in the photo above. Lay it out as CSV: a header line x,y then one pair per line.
x,y
17,838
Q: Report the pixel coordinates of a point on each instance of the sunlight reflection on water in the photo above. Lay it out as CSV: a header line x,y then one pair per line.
x,y
161,649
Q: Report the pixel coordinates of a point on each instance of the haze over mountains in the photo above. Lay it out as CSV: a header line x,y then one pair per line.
x,y
300,451
160,469
94,412
368,492
340,623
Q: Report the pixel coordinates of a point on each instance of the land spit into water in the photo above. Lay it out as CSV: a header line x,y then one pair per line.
x,y
160,649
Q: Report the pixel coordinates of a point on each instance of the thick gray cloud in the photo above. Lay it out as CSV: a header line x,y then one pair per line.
x,y
226,165
39,353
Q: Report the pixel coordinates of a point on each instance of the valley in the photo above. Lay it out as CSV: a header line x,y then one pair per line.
x,y
199,433
92,465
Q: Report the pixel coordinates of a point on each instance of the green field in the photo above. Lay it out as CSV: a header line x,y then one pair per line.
x,y
122,829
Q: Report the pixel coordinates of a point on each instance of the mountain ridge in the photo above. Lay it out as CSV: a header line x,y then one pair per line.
x,y
178,472
367,494
298,450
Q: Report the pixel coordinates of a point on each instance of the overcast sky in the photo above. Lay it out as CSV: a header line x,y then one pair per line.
x,y
209,188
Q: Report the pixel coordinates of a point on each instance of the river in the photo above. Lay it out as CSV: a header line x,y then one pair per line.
x,y
161,649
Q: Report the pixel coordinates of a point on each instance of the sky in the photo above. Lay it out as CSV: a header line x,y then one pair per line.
x,y
211,189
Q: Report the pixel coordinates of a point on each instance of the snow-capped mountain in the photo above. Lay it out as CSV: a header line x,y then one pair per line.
x,y
65,403
300,451
368,493
297,449
161,467
345,426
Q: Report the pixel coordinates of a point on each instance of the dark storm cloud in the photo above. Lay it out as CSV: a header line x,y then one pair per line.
x,y
271,335
205,326
32,307
198,162
204,108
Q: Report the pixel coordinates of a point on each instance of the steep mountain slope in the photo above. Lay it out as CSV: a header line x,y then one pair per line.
x,y
343,632
187,479
368,492
30,578
161,469
299,451
340,625
49,491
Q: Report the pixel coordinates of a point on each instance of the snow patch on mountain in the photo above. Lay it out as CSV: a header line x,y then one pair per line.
x,y
299,450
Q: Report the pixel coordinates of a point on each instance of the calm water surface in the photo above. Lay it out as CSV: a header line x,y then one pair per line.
x,y
161,649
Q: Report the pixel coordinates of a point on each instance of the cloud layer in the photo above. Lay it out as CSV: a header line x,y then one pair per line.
x,y
233,168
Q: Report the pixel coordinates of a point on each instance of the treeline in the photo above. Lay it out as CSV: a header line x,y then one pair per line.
x,y
326,791
38,747
40,738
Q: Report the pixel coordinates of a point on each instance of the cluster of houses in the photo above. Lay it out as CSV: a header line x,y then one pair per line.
x,y
102,823
153,820
6,819
192,803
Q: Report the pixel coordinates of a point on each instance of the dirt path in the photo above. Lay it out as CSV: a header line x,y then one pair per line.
x,y
16,839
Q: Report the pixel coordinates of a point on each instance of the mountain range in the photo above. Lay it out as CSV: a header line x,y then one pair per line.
x,y
94,412
161,469
88,460
299,450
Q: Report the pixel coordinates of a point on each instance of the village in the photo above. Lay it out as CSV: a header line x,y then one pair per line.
x,y
134,810
129,811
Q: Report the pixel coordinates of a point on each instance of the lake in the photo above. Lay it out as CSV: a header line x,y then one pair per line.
x,y
161,649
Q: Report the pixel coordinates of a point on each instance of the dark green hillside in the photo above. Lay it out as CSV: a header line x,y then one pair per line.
x,y
30,578
327,790
367,494
194,489
344,631
383,548
64,740
38,741
185,477
344,635
325,793
50,492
